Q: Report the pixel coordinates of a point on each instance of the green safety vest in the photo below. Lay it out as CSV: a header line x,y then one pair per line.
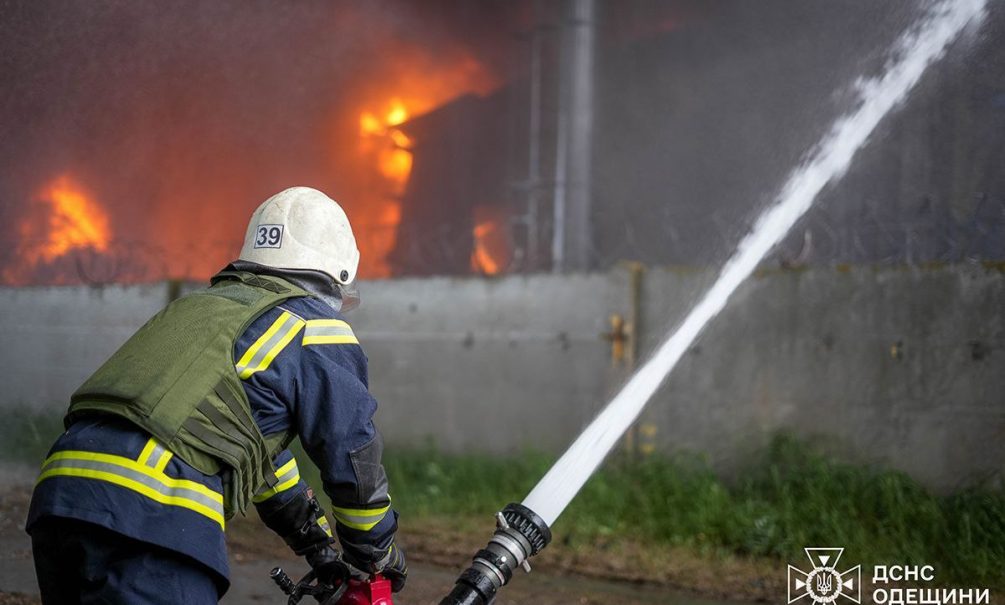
x,y
175,378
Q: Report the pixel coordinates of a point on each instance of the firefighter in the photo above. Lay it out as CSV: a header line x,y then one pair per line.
x,y
189,422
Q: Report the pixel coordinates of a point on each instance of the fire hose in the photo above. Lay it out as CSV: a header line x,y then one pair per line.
x,y
520,534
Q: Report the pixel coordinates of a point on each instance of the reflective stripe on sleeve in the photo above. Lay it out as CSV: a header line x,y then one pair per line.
x,y
155,455
359,518
328,332
261,353
148,449
162,461
287,477
140,478
323,522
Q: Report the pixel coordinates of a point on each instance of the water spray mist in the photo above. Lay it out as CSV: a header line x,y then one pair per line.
x,y
912,53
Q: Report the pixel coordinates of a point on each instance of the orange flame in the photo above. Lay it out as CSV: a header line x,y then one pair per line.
x,y
397,114
412,86
370,124
389,148
60,219
400,139
481,258
73,220
393,158
492,250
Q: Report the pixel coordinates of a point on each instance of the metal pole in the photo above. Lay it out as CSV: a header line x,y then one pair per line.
x,y
534,150
573,231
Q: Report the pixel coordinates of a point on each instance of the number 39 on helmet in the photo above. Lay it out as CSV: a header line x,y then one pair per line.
x,y
303,229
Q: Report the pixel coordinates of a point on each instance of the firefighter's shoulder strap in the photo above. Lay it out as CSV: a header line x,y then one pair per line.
x,y
175,378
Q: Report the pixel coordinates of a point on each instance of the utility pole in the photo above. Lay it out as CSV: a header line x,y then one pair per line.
x,y
534,260
572,237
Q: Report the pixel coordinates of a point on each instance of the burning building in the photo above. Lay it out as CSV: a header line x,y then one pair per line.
x,y
694,119
139,137
477,138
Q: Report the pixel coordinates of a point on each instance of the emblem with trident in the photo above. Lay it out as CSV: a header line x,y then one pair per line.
x,y
824,584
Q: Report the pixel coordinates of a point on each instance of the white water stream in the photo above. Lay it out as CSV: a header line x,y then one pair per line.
x,y
912,53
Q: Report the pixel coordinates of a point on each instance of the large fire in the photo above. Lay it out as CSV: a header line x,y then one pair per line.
x,y
387,150
62,218
183,207
386,147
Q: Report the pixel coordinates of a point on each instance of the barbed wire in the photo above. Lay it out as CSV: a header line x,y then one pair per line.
x,y
451,248
117,262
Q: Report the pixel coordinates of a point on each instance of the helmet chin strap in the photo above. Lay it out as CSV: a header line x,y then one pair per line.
x,y
317,283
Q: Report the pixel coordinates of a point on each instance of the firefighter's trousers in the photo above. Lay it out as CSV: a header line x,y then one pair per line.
x,y
82,563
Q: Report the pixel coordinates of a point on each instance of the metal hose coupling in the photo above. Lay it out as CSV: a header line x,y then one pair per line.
x,y
520,534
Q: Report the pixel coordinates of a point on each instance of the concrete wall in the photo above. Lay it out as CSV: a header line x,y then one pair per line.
x,y
54,337
903,367
900,367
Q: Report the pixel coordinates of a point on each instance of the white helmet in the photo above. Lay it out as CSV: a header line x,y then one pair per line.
x,y
303,229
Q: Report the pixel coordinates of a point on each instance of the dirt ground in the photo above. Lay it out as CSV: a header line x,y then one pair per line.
x,y
436,557
563,574
561,577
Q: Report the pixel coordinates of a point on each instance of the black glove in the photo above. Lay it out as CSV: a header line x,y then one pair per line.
x,y
394,567
328,566
298,522
301,523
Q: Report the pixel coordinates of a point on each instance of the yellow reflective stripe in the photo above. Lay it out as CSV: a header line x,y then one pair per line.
x,y
330,340
328,332
363,512
282,470
279,334
278,489
130,464
323,522
147,449
137,487
360,518
264,338
156,458
152,449
164,459
327,323
281,345
393,556
139,477
288,476
354,525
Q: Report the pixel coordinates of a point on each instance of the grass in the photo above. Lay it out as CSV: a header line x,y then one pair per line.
x,y
27,434
790,497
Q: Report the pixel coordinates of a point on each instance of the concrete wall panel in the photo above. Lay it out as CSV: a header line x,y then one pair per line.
x,y
905,367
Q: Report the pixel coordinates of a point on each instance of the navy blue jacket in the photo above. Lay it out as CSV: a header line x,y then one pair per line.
x,y
302,369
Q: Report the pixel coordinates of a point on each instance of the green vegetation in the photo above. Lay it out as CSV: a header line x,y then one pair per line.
x,y
27,434
789,498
